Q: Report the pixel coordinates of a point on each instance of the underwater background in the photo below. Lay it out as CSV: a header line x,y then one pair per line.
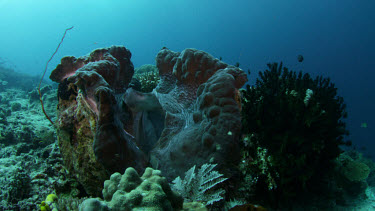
x,y
335,38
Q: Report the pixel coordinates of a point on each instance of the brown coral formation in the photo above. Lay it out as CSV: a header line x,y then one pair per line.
x,y
191,118
202,123
92,120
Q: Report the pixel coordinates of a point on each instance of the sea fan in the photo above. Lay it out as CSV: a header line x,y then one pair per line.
x,y
199,187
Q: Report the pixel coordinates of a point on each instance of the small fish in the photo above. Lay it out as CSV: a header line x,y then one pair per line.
x,y
300,58
364,125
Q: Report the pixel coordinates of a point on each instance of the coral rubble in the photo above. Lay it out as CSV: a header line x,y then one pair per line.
x,y
30,162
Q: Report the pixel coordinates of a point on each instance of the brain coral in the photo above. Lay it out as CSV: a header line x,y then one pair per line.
x,y
132,192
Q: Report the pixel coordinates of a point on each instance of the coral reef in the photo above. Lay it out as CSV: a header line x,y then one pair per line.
x,y
183,112
19,186
20,120
29,175
31,166
298,121
189,114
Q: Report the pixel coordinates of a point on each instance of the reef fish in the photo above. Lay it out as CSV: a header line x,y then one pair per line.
x,y
300,58
363,125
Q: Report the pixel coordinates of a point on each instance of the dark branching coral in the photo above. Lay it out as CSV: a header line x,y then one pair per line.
x,y
296,122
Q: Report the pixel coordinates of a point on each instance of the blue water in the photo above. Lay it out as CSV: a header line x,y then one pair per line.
x,y
335,37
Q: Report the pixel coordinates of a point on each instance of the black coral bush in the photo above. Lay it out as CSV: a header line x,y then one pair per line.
x,y
297,121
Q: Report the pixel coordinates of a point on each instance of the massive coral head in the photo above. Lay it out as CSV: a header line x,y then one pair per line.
x,y
93,124
198,94
105,126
